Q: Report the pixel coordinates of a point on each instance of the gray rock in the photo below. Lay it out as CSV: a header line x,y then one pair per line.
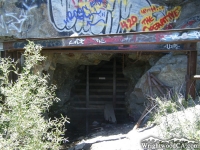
x,y
170,70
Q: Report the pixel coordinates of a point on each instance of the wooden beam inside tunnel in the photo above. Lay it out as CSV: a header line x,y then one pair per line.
x,y
114,82
87,100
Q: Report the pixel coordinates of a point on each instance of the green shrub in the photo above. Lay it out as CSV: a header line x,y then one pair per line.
x,y
177,117
24,103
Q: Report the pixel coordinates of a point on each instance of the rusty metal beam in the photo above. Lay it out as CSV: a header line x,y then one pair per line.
x,y
160,83
156,37
150,85
157,86
119,49
191,71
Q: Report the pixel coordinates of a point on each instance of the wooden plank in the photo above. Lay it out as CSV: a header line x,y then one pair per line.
x,y
101,90
103,96
87,100
97,102
108,78
83,108
114,82
104,84
87,87
104,102
109,113
104,72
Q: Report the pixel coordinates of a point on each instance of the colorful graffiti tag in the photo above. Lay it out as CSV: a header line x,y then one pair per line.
x,y
193,35
150,23
29,4
129,23
89,17
190,22
109,16
19,20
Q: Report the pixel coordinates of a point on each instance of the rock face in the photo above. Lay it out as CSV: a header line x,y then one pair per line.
x,y
170,70
55,18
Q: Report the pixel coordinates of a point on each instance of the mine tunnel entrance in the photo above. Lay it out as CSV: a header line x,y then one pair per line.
x,y
98,86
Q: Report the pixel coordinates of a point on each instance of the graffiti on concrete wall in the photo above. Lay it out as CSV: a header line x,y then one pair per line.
x,y
109,16
150,23
20,20
129,23
11,21
29,4
88,17
190,22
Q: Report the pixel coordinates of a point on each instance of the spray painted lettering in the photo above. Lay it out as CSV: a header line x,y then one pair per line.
x,y
29,4
12,21
150,10
76,42
193,35
109,16
160,23
20,20
172,46
148,20
84,13
129,23
99,40
97,2
190,22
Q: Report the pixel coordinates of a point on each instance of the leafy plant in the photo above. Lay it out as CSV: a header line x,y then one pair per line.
x,y
24,104
177,117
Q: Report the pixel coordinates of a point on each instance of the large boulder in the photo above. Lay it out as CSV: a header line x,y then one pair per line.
x,y
171,70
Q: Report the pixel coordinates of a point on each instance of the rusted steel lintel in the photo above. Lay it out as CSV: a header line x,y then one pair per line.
x,y
101,51
157,86
169,46
159,82
162,37
150,85
120,48
145,112
191,71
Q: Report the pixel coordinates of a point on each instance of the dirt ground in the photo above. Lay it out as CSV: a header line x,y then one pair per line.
x,y
114,137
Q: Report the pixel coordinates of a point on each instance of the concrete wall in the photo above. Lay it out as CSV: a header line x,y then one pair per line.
x,y
54,18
